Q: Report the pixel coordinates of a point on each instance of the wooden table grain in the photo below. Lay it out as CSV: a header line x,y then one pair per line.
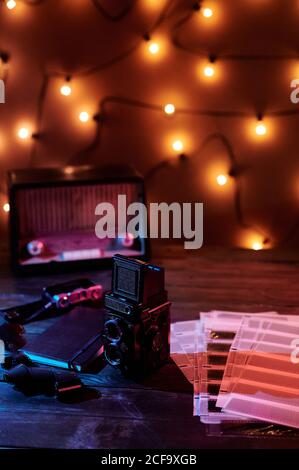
x,y
156,413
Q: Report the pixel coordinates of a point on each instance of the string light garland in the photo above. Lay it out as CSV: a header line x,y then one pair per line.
x,y
84,116
6,207
207,12
179,44
23,133
153,47
257,246
221,180
178,148
66,90
169,109
209,71
261,129
48,75
11,4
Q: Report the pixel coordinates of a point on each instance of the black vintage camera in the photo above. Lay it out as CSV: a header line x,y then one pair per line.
x,y
136,331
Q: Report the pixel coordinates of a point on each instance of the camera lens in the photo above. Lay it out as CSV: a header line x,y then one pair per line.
x,y
112,330
113,355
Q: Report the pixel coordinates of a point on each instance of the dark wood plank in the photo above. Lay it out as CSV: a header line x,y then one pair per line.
x,y
157,412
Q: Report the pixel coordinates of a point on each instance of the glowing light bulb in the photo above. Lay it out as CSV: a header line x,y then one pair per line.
x,y
84,116
11,4
169,108
66,90
69,170
6,207
221,180
23,133
209,71
261,129
153,48
257,246
207,12
178,146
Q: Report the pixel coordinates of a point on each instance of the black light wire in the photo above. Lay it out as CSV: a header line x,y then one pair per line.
x,y
46,76
126,10
179,44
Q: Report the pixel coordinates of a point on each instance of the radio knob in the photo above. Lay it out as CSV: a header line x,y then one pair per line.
x,y
35,247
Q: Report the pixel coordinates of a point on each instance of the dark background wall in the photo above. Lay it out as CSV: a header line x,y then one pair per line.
x,y
100,45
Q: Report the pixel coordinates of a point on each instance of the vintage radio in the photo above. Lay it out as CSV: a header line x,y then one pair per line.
x,y
52,216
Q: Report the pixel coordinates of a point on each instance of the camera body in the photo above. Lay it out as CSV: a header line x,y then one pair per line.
x,y
137,321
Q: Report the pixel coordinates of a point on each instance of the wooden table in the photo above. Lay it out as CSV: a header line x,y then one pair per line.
x,y
158,412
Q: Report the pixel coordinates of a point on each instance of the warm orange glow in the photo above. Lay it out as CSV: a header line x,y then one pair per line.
x,y
2,142
177,146
154,3
257,246
178,142
66,90
210,14
6,207
209,71
169,108
23,133
261,129
221,180
153,47
84,116
216,180
252,240
11,4
207,12
69,170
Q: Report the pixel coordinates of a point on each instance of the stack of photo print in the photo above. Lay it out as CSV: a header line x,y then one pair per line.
x,y
244,368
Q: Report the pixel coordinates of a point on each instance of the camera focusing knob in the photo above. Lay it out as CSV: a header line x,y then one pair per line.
x,y
154,339
96,293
